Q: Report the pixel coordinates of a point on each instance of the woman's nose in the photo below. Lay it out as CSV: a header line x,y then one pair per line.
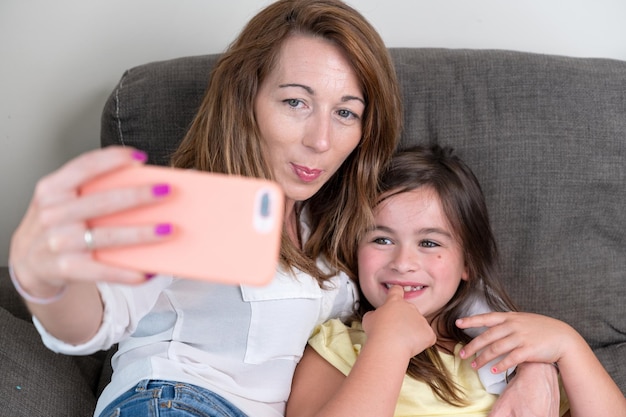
x,y
318,135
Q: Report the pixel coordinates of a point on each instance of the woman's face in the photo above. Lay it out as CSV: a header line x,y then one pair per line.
x,y
309,111
411,245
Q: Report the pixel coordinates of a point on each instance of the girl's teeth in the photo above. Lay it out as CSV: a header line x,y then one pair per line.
x,y
408,288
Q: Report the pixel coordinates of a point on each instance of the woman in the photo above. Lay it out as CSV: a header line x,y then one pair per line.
x,y
306,96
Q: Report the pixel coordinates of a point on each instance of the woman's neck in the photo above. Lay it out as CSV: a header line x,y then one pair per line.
x,y
291,223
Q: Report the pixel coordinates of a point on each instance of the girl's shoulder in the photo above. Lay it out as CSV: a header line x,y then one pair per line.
x,y
338,343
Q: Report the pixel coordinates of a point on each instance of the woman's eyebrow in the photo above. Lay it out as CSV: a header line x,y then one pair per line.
x,y
306,87
349,98
312,92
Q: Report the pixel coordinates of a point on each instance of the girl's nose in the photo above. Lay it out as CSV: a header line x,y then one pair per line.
x,y
404,261
318,134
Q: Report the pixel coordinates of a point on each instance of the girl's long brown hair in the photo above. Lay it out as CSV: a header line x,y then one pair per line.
x,y
224,136
464,206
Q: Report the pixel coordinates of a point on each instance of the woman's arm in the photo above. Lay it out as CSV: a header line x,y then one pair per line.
x,y
533,392
49,255
525,337
395,333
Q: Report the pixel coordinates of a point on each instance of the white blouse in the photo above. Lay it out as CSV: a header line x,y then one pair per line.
x,y
240,342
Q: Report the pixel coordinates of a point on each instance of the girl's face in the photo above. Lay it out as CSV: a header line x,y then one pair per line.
x,y
309,112
411,245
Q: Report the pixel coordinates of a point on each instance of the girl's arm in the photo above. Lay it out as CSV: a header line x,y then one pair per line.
x,y
395,333
526,337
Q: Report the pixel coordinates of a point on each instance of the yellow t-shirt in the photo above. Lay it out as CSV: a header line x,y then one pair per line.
x,y
340,346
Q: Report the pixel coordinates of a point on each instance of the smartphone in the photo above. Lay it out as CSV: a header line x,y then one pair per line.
x,y
227,228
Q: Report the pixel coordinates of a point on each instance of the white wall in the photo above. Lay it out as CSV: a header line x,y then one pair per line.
x,y
60,59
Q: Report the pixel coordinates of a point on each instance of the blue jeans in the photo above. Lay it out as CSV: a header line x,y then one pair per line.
x,y
170,399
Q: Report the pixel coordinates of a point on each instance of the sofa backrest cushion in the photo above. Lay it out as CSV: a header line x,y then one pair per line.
x,y
546,136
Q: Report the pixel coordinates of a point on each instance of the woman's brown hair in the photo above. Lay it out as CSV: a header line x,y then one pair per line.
x,y
224,136
463,202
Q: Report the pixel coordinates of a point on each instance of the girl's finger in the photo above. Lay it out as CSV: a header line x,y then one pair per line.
x,y
395,293
503,347
481,320
485,340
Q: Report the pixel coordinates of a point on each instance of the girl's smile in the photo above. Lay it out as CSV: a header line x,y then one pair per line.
x,y
411,290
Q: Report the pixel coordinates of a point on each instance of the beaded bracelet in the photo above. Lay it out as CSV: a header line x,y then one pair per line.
x,y
31,298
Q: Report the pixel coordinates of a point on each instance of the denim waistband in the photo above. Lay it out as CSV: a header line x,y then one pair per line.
x,y
170,398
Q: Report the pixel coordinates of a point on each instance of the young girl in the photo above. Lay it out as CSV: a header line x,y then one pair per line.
x,y
406,355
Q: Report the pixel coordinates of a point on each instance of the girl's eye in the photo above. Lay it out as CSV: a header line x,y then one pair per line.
x,y
428,244
382,241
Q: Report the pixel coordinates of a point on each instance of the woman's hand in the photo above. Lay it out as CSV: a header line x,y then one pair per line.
x,y
533,392
51,246
399,325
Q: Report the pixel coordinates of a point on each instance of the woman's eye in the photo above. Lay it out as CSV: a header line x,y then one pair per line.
x,y
292,102
347,114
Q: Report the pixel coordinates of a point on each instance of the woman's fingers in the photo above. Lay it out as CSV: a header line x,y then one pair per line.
x,y
52,245
75,237
97,204
79,266
64,183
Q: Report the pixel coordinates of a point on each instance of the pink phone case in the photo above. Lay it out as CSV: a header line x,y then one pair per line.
x,y
227,229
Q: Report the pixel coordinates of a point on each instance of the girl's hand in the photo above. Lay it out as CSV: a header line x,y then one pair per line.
x,y
399,325
49,248
520,337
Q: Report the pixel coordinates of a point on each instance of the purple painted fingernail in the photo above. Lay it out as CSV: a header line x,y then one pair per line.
x,y
149,276
140,156
163,229
161,190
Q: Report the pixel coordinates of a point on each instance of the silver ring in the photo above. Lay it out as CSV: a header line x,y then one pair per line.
x,y
88,238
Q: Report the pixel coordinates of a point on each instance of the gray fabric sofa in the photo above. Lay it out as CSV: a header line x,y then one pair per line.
x,y
546,136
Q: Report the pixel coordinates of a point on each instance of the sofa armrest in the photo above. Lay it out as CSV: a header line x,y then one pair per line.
x,y
10,299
